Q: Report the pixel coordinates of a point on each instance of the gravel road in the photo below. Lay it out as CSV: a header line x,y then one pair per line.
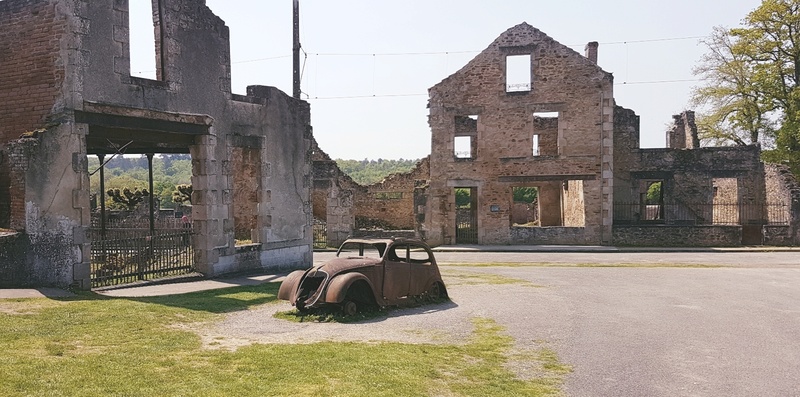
x,y
626,331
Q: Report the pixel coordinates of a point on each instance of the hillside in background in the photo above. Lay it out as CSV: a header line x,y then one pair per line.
x,y
170,170
367,172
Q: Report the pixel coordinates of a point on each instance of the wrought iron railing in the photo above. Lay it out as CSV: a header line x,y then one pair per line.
x,y
320,230
125,256
770,213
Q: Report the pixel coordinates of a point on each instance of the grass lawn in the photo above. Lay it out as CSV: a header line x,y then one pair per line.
x,y
91,345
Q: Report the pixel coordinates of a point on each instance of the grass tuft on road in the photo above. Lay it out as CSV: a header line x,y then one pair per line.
x,y
90,345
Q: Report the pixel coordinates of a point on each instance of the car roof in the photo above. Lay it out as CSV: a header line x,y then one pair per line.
x,y
369,240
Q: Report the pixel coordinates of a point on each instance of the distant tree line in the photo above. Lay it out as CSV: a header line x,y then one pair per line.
x,y
131,174
367,172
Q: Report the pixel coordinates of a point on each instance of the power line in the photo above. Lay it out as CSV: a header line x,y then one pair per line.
x,y
413,95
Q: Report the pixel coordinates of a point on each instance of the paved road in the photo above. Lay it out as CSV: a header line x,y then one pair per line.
x,y
745,259
663,331
641,331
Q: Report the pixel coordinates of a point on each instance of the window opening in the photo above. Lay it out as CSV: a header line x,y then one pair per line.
x,y
525,207
463,147
142,39
545,134
518,73
653,201
466,135
726,201
246,163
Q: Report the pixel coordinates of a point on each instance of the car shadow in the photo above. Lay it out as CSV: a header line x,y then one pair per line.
x,y
394,312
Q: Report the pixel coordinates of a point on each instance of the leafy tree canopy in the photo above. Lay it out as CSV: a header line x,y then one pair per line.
x,y
751,94
366,172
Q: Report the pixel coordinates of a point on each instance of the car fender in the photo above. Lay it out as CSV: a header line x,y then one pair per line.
x,y
337,288
289,286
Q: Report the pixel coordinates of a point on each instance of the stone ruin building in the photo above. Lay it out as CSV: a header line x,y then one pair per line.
x,y
66,92
530,114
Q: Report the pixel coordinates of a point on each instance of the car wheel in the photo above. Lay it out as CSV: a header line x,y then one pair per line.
x,y
349,308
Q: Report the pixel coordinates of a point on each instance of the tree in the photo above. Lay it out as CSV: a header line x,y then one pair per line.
x,y
182,194
525,194
752,74
129,198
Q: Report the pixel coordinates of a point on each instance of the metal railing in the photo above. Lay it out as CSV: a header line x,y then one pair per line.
x,y
125,256
320,230
770,213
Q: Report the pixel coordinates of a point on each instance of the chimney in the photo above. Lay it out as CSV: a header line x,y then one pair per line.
x,y
591,51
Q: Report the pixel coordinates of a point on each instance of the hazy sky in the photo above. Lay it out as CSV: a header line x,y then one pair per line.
x,y
370,62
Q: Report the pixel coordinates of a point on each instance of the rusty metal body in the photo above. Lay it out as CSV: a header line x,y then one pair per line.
x,y
368,272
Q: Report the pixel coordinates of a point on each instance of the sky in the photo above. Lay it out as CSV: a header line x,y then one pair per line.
x,y
367,64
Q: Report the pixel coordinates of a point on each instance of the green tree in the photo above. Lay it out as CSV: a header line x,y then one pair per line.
x,y
182,194
127,197
463,199
752,73
525,194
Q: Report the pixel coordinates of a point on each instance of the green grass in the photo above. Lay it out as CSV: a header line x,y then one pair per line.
x,y
91,345
556,264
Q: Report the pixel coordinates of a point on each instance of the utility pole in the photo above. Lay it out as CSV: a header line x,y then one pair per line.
x,y
296,50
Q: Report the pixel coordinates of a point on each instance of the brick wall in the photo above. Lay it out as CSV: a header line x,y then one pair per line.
x,y
32,74
30,83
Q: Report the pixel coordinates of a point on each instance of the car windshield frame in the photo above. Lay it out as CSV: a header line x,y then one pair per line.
x,y
358,249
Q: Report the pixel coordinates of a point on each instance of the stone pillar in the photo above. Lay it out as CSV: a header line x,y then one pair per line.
x,y
207,208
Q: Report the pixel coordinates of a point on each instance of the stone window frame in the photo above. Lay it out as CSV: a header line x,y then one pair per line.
x,y
471,134
561,110
513,51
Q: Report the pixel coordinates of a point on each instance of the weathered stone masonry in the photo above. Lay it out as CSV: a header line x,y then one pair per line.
x,y
561,132
66,75
572,167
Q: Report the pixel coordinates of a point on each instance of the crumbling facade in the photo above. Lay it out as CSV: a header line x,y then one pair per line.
x,y
528,112
688,195
349,209
66,92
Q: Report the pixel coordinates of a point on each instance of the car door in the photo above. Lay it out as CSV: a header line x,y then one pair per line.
x,y
396,274
421,269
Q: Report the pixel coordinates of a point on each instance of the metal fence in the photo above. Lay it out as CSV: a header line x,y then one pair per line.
x,y
703,213
320,230
466,226
125,256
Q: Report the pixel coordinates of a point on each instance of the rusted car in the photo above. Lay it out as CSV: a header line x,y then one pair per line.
x,y
368,273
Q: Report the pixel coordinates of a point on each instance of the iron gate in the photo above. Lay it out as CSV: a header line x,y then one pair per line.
x,y
125,256
466,226
320,230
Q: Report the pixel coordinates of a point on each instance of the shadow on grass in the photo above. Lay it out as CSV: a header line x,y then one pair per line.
x,y
222,300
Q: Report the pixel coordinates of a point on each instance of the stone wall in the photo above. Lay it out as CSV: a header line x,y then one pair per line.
x,y
14,267
575,147
84,101
334,196
677,236
389,204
